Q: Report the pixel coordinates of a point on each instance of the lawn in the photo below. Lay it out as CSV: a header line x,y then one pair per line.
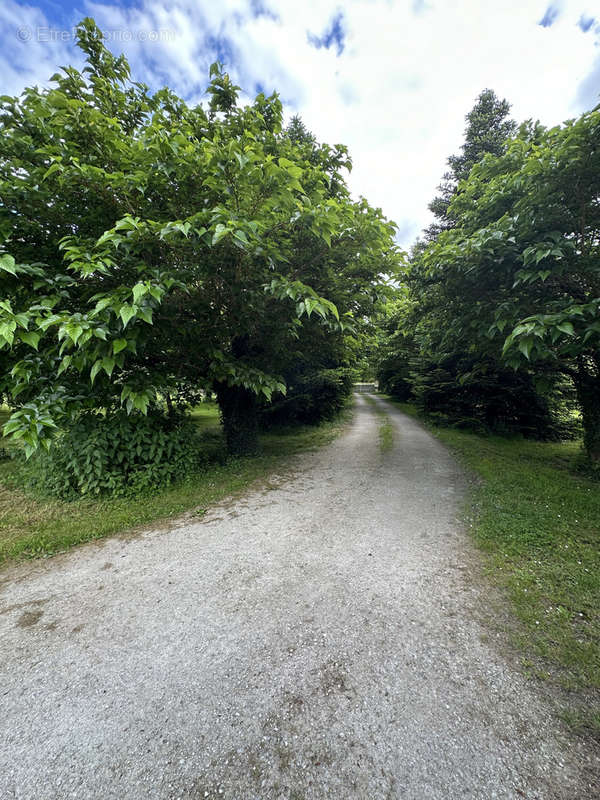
x,y
34,525
538,521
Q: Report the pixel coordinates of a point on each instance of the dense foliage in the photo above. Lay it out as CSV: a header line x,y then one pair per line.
x,y
488,127
502,312
133,453
152,250
312,397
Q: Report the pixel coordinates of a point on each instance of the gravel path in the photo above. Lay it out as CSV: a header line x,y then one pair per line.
x,y
316,639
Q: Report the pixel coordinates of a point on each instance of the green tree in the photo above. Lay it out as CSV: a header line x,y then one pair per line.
x,y
151,248
435,346
396,354
530,237
299,134
487,129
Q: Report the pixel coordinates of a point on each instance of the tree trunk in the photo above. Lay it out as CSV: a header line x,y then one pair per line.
x,y
239,415
588,394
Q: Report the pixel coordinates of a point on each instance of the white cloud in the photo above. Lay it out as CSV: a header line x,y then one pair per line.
x,y
397,94
30,51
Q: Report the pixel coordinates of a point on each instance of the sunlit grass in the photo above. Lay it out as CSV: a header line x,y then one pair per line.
x,y
206,415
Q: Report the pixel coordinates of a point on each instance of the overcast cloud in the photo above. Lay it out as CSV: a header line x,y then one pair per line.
x,y
392,80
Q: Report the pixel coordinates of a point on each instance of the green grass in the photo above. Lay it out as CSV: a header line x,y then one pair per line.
x,y
386,434
34,525
386,428
538,522
206,416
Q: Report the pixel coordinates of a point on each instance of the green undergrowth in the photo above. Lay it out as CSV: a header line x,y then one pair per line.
x,y
33,524
537,518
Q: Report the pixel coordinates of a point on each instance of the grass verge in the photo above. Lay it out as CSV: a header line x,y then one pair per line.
x,y
386,428
386,434
34,525
538,522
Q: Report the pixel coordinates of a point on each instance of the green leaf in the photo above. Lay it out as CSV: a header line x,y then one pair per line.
x,y
64,364
220,231
11,426
74,332
22,320
182,227
51,170
108,364
309,304
567,328
95,370
139,290
7,263
127,313
140,401
103,303
146,315
118,345
31,338
295,184
7,332
525,347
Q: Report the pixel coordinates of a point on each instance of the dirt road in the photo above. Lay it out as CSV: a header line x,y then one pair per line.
x,y
319,638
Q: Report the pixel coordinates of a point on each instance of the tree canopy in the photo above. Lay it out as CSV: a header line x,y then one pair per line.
x,y
502,309
152,249
528,249
487,128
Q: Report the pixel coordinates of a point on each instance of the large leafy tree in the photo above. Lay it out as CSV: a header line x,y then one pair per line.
x,y
435,345
529,244
152,248
351,271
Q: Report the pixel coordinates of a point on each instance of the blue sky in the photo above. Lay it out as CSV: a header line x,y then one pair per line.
x,y
392,79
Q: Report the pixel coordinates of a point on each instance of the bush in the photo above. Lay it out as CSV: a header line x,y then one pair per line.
x,y
312,398
486,396
119,454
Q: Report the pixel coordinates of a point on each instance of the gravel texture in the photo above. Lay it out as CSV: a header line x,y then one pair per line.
x,y
319,638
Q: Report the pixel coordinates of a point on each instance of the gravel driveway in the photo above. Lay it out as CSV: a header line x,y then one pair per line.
x,y
318,638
